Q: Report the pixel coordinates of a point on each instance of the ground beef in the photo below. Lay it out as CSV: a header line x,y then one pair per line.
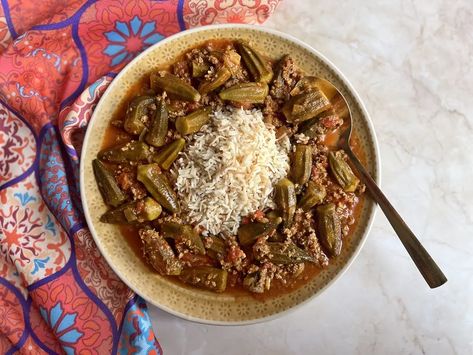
x,y
261,249
319,172
126,179
303,234
271,107
210,74
344,202
233,62
301,138
158,253
189,259
330,120
287,75
197,54
181,70
214,60
285,273
178,108
259,277
166,217
312,245
212,100
235,258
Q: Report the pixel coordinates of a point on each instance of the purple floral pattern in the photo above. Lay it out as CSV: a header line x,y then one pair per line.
x,y
17,146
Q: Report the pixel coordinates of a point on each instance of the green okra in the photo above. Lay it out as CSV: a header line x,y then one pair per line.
x,y
250,232
158,186
173,85
245,92
168,154
137,109
133,151
156,135
108,187
301,164
258,67
329,228
285,199
206,277
194,121
342,172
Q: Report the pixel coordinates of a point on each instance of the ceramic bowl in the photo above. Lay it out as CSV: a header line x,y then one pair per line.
x,y
194,304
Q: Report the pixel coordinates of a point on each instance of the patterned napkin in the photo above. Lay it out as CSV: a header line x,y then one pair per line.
x,y
57,294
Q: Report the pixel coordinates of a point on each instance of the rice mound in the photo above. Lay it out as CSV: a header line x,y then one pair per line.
x,y
227,170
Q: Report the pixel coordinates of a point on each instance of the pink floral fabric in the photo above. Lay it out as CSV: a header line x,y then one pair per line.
x,y
57,294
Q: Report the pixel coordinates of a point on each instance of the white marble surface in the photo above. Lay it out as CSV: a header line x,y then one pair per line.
x,y
412,63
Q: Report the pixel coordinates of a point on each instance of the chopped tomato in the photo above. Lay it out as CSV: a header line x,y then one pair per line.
x,y
245,220
258,215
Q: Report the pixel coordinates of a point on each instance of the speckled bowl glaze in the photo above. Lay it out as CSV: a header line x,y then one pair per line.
x,y
194,304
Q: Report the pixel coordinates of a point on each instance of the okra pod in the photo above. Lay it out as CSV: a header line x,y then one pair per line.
x,y
249,233
301,164
314,194
329,228
137,109
108,187
156,136
285,199
194,121
168,154
131,151
144,210
310,82
158,186
133,212
142,135
221,77
231,60
150,210
184,232
312,127
287,253
117,215
246,92
305,106
174,86
199,69
272,214
342,172
258,67
159,253
216,245
206,277
130,214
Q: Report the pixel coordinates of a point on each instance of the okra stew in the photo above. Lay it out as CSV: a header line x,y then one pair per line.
x,y
223,167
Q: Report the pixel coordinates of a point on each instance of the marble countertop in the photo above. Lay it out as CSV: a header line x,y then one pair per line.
x,y
412,63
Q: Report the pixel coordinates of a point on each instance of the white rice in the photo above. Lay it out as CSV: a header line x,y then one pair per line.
x,y
227,170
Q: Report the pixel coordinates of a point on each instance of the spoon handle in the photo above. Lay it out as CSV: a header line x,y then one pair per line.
x,y
424,262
